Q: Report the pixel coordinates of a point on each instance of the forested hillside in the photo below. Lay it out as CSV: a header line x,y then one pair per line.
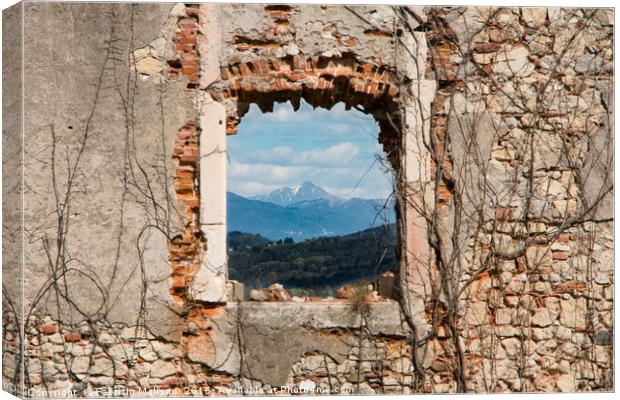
x,y
318,266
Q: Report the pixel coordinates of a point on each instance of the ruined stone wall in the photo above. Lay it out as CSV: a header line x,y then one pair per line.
x,y
498,123
524,117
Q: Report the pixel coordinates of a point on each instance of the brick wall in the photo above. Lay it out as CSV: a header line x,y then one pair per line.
x,y
186,250
185,61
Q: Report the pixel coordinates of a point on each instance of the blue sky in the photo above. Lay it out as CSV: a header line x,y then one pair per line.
x,y
334,149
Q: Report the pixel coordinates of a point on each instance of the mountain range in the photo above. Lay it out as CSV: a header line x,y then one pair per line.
x,y
307,191
303,212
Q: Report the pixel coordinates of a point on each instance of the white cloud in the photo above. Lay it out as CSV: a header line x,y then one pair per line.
x,y
286,114
267,173
290,147
250,188
373,184
260,178
337,155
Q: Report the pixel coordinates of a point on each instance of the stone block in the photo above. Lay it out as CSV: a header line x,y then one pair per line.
x,y
477,313
80,365
534,17
214,350
386,286
541,318
514,62
572,314
235,291
162,369
167,351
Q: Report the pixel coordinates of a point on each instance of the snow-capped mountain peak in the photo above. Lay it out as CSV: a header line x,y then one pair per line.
x,y
307,191
295,189
304,211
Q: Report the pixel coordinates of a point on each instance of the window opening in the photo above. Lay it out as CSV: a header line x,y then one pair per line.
x,y
311,205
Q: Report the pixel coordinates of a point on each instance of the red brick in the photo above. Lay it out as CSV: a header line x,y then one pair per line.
x,y
282,27
443,192
189,57
299,62
278,15
502,214
277,64
184,173
188,25
73,337
281,84
374,88
193,202
351,42
185,133
190,69
184,181
185,47
190,31
48,329
487,48
235,85
186,39
214,312
560,255
178,281
245,70
297,76
224,73
187,158
563,238
261,66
